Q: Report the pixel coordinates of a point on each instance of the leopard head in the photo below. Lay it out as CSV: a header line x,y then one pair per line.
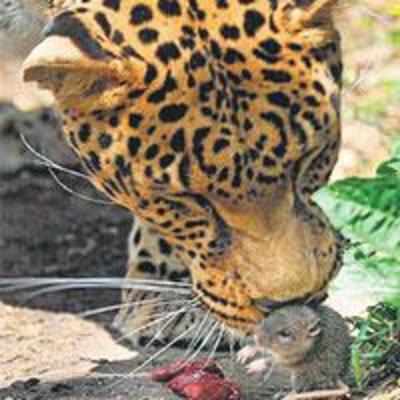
x,y
214,121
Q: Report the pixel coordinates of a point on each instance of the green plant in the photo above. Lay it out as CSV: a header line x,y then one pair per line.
x,y
376,347
367,211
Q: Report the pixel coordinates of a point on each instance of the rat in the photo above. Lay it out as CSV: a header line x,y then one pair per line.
x,y
312,344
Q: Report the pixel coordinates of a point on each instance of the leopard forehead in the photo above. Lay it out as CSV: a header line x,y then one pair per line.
x,y
200,115
208,56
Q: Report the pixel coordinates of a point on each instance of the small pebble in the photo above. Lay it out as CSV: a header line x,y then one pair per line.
x,y
30,383
61,387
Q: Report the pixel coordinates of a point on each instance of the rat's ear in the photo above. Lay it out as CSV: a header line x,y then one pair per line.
x,y
314,328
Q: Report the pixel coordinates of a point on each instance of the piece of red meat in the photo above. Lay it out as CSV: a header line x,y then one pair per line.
x,y
197,380
168,372
202,385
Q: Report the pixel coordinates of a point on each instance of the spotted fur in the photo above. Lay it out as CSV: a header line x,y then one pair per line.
x,y
213,121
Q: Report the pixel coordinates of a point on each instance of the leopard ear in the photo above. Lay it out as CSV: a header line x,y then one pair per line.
x,y
58,56
320,9
75,67
310,13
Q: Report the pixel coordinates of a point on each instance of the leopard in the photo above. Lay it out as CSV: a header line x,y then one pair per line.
x,y
213,122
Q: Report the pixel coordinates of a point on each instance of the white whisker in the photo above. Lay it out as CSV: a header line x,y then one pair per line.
x,y
157,335
50,163
204,342
75,193
135,372
146,326
13,284
162,351
195,340
138,286
217,342
232,341
154,302
155,322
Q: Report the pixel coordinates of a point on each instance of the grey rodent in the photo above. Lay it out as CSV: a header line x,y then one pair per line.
x,y
313,344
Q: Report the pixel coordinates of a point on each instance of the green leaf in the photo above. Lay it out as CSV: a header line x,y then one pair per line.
x,y
368,208
391,167
394,37
367,211
357,366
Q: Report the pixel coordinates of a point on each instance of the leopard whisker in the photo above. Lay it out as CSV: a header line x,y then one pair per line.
x,y
143,287
233,340
52,165
13,284
204,342
148,325
162,313
153,302
217,342
74,192
43,160
196,339
136,372
162,351
160,331
155,322
157,335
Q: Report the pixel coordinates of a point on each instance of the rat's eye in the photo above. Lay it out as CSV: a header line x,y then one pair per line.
x,y
284,336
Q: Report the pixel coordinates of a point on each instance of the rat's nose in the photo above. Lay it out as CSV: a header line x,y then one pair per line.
x,y
266,306
46,29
